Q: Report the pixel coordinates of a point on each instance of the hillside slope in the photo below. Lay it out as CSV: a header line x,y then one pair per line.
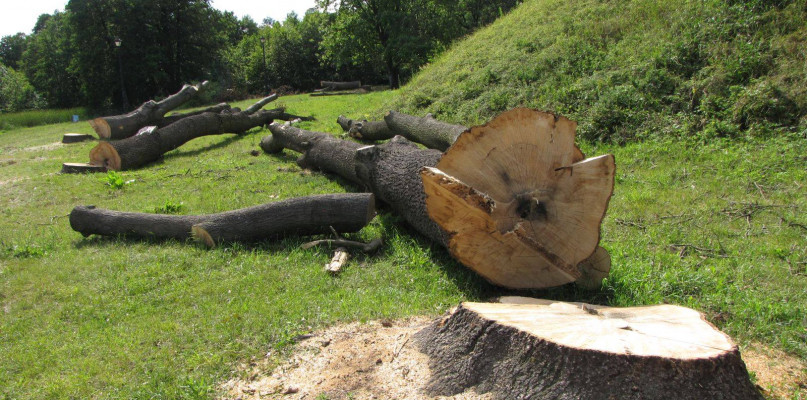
x,y
631,69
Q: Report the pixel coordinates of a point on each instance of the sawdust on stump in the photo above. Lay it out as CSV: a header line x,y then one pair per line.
x,y
378,360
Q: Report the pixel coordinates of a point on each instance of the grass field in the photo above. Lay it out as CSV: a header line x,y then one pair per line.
x,y
719,227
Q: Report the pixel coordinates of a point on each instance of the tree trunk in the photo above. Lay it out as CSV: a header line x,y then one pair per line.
x,y
150,113
170,119
331,85
150,145
539,349
365,130
514,200
428,131
348,212
319,150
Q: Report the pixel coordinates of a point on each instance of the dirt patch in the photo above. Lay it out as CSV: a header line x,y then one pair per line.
x,y
378,360
780,375
44,147
371,360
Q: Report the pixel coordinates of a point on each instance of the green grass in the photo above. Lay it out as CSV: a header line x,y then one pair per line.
x,y
630,70
31,118
116,318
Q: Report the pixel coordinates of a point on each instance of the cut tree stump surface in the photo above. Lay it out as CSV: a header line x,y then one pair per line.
x,y
540,349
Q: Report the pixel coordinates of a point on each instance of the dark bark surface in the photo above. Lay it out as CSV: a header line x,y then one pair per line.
x,y
308,215
469,351
149,146
149,113
392,172
75,137
319,150
428,131
89,220
168,120
80,168
364,129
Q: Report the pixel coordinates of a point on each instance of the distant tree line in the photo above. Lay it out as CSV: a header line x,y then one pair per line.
x,y
71,57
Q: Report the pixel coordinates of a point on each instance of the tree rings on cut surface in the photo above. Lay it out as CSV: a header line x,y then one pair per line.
x,y
521,205
106,156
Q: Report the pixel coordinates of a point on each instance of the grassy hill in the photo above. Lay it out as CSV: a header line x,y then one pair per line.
x,y
632,69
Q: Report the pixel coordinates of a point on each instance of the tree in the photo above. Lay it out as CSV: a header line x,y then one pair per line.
x,y
16,93
11,49
48,59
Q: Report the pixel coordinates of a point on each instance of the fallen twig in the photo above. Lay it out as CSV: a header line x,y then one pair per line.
x,y
365,247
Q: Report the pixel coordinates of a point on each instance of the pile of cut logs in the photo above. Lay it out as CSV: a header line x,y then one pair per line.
x,y
515,200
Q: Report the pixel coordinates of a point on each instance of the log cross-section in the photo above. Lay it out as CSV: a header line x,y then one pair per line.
x,y
520,204
539,349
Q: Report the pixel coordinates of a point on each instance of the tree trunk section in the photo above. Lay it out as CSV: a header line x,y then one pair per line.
x,y
539,349
299,216
514,200
150,113
364,129
310,215
149,146
331,85
319,150
170,119
428,131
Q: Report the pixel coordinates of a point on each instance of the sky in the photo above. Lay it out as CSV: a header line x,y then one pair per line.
x,y
21,17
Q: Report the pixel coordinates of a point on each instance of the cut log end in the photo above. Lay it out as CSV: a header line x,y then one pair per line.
x,y
101,128
202,236
521,206
104,155
80,168
75,137
270,145
574,350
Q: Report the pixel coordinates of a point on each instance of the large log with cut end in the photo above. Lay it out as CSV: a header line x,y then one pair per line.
x,y
428,131
150,145
521,205
507,225
347,212
149,113
552,350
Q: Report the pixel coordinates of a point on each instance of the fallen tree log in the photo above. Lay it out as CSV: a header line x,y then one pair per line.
x,y
332,85
530,226
149,113
364,129
170,119
538,349
428,131
310,215
318,150
150,145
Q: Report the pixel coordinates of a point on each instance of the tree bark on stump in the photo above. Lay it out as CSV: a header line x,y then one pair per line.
x,y
348,212
541,349
428,131
364,129
526,213
150,145
149,113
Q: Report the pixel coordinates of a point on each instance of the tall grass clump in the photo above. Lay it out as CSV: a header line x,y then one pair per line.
x,y
26,119
631,70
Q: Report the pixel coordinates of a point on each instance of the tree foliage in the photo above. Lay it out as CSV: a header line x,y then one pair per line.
x,y
48,62
16,93
11,49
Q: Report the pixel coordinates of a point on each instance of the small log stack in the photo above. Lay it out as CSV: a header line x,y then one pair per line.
x,y
539,349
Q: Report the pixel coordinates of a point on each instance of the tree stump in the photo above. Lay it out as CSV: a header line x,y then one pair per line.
x,y
79,168
75,137
542,349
